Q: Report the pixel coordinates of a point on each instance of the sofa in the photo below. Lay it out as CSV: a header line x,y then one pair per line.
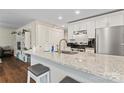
x,y
6,51
1,52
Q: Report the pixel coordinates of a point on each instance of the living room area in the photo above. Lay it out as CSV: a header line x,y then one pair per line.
x,y
7,42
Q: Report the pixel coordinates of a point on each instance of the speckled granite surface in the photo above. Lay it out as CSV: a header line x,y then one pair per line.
x,y
106,66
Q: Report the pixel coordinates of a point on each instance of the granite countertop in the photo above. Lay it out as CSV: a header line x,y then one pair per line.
x,y
106,66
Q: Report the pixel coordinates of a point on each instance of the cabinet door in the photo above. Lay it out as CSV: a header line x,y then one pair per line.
x,y
41,35
70,31
82,26
55,35
51,39
33,29
116,19
102,22
58,36
27,40
76,26
91,29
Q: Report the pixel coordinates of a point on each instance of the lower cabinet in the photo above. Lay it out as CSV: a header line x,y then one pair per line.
x,y
22,56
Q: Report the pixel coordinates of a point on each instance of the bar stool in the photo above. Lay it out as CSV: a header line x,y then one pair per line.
x,y
37,72
68,79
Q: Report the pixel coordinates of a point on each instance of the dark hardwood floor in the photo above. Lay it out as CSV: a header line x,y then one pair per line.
x,y
13,71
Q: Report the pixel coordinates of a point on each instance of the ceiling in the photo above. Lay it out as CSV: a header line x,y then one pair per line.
x,y
16,18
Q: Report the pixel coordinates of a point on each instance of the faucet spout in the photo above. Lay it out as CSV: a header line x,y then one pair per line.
x,y
59,49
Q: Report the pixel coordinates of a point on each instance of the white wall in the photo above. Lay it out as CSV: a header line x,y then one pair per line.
x,y
6,38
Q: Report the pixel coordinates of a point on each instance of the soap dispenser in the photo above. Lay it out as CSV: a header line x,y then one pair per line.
x,y
52,48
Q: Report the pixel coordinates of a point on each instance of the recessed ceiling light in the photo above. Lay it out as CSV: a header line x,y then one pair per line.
x,y
77,12
60,17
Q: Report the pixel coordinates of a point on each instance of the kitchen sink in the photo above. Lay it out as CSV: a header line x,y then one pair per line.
x,y
69,52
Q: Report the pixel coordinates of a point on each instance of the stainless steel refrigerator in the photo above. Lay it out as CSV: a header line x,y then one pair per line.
x,y
110,40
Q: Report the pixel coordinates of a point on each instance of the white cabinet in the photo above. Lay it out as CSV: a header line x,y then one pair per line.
x,y
27,40
51,39
76,26
48,36
91,28
41,35
33,34
108,20
82,25
59,34
70,31
102,22
116,19
55,35
89,50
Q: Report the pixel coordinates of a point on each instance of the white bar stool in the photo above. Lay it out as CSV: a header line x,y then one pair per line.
x,y
39,73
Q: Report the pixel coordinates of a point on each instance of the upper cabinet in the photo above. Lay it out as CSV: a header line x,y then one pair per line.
x,y
108,20
55,35
76,26
48,36
91,28
41,35
82,25
101,22
70,31
116,19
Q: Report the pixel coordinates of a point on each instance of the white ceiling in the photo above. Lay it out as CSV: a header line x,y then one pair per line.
x,y
16,18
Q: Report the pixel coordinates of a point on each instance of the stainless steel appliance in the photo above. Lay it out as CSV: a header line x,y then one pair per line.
x,y
110,40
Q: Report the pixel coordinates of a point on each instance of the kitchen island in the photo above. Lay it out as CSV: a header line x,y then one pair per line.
x,y
83,67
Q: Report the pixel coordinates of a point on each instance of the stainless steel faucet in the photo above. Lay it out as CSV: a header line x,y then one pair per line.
x,y
59,48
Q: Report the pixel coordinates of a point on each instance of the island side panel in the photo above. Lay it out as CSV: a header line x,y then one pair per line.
x,y
56,74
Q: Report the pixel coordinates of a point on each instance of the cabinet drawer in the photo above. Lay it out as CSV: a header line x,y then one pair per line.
x,y
89,50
